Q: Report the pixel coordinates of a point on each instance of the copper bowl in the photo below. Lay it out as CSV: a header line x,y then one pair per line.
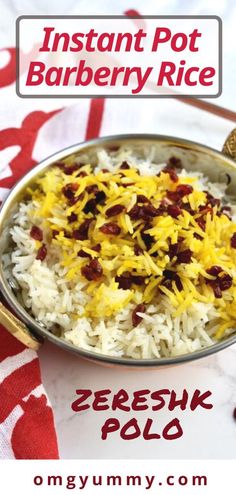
x,y
218,166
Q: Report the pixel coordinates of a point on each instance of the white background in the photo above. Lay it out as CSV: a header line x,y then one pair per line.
x,y
207,434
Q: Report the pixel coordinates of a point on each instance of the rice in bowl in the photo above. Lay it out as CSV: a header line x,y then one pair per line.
x,y
126,257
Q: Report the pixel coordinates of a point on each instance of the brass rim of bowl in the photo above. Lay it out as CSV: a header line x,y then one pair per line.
x,y
38,331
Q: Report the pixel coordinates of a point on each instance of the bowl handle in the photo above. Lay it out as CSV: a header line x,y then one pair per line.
x,y
229,147
18,329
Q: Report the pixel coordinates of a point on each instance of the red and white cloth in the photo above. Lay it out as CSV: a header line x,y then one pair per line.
x,y
26,420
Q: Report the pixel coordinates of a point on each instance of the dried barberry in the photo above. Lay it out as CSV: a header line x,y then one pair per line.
x,y
186,207
110,228
72,201
162,207
96,248
134,213
142,199
214,270
124,166
174,162
147,238
216,288
82,174
69,190
178,282
143,212
100,197
72,217
167,283
136,319
148,210
73,168
197,236
124,282
92,189
225,282
206,209
81,234
137,250
55,233
233,241
69,169
220,283
42,253
36,233
211,200
67,234
171,276
114,210
172,196
172,174
184,256
138,280
90,207
173,250
174,211
83,254
201,222
184,190
92,271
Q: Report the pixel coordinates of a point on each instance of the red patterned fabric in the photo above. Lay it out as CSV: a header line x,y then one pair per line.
x,y
27,428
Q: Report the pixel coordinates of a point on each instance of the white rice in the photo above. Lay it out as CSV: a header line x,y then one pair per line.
x,y
48,296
